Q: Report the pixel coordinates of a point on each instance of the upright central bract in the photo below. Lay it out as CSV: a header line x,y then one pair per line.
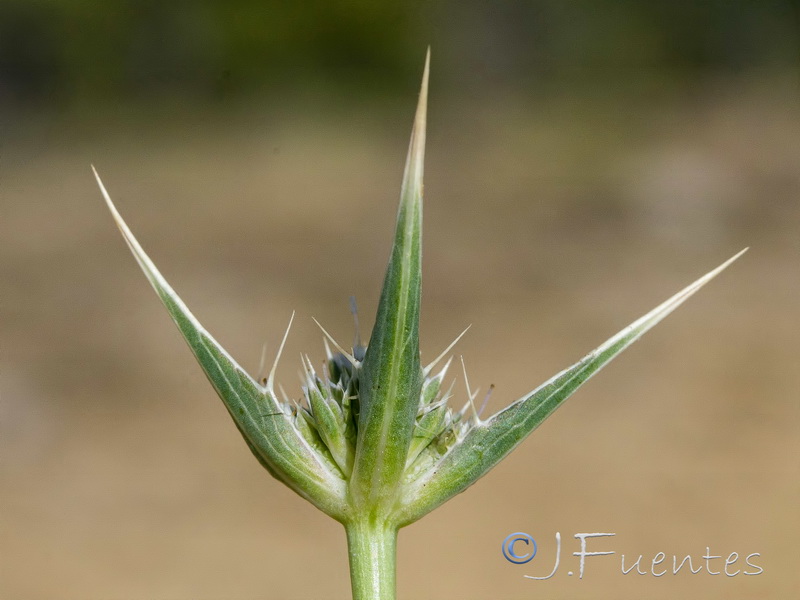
x,y
391,376
375,445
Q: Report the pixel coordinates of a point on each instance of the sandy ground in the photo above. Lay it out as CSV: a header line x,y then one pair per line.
x,y
548,226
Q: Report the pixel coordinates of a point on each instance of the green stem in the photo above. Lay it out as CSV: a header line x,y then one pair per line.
x,y
372,550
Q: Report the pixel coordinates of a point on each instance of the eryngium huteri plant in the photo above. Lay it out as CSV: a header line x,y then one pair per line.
x,y
375,444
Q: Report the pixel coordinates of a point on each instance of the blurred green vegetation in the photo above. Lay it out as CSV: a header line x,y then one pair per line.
x,y
62,51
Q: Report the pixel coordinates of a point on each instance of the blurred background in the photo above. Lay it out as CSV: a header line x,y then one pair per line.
x,y
586,159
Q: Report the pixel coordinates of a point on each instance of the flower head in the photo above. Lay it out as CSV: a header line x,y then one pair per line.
x,y
374,435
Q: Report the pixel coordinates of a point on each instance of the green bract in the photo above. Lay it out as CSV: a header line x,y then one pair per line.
x,y
376,445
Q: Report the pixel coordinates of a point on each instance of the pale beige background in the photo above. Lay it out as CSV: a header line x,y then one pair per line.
x,y
548,226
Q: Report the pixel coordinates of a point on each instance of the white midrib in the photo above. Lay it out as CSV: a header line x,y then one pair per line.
x,y
394,372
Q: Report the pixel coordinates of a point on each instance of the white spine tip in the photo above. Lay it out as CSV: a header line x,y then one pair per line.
x,y
336,345
270,385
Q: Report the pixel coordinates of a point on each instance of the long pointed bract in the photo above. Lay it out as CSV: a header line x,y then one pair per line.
x,y
391,376
488,443
259,417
